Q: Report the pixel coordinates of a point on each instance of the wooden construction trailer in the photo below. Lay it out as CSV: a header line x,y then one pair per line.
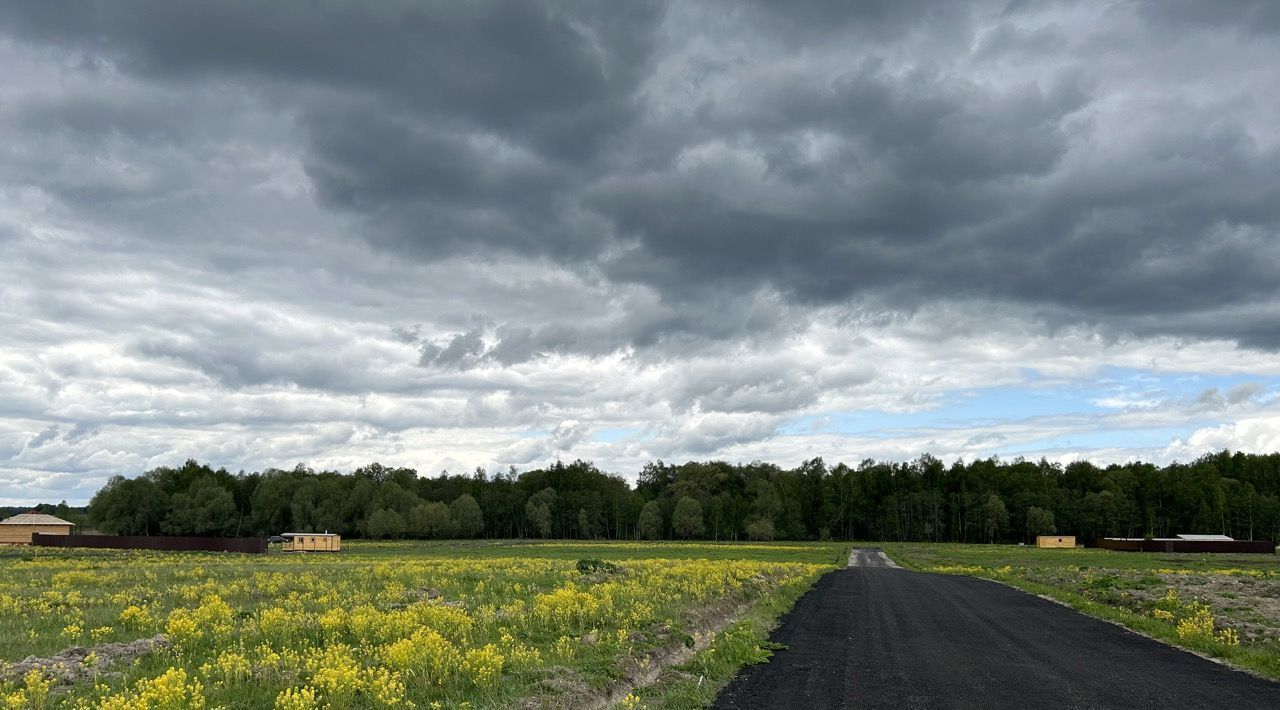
x,y
311,542
1066,541
19,529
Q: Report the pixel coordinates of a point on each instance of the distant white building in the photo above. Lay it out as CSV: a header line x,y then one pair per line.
x,y
1207,538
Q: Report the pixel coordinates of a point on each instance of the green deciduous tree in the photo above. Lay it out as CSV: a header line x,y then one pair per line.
x,y
686,519
649,526
468,521
272,502
429,520
384,523
539,510
760,529
1039,522
205,508
995,517
129,506
539,517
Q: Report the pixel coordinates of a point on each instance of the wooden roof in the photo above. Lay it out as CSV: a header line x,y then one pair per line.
x,y
34,518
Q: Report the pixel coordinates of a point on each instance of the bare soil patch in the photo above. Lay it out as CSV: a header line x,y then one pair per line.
x,y
1248,604
569,692
70,665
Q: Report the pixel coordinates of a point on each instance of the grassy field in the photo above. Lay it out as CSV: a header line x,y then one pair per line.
x,y
427,625
1224,606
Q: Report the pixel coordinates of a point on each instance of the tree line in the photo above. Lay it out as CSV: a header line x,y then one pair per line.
x,y
986,500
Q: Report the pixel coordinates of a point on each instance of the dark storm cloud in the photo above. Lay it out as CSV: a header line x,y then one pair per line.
x,y
887,153
43,438
461,350
655,330
915,164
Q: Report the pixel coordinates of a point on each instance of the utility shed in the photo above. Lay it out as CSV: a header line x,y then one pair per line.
x,y
311,542
19,529
1056,541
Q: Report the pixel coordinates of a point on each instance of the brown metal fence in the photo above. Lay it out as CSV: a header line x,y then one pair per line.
x,y
250,545
1187,545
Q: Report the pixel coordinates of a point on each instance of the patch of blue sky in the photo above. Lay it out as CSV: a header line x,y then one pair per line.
x,y
1125,389
1010,403
1030,374
1176,382
1138,438
1114,389
958,409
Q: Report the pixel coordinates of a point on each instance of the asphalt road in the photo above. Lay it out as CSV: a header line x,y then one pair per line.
x,y
873,636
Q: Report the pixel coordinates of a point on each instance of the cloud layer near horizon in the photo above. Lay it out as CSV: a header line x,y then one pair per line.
x,y
449,235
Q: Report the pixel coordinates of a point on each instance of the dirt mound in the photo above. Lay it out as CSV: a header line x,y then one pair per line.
x,y
69,666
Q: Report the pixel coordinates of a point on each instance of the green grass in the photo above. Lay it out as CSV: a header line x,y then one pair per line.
x,y
805,552
696,683
1128,588
921,555
77,591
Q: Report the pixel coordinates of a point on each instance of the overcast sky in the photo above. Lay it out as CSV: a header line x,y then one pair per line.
x,y
447,235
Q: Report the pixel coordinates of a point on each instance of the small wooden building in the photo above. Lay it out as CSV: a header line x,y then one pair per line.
x,y
1068,541
18,529
311,542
